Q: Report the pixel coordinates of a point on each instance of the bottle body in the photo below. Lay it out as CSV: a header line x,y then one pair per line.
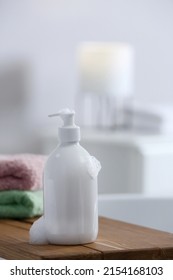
x,y
70,196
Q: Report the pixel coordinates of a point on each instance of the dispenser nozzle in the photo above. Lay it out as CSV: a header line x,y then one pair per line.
x,y
69,132
66,115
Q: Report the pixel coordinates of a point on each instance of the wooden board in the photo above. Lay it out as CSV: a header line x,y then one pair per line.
x,y
116,240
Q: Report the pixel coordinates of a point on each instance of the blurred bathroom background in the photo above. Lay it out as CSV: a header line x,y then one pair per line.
x,y
111,61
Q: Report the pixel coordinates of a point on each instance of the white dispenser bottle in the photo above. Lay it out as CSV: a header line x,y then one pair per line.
x,y
70,188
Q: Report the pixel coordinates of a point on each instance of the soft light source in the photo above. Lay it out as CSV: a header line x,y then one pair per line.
x,y
105,80
106,68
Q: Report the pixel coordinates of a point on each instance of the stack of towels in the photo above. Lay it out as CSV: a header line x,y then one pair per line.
x,y
151,118
21,193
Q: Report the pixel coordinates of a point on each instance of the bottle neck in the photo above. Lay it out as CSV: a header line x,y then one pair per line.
x,y
69,134
72,143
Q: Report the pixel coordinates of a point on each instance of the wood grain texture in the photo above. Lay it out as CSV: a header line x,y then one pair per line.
x,y
116,240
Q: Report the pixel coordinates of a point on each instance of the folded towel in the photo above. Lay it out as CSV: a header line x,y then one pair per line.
x,y
154,118
21,172
20,204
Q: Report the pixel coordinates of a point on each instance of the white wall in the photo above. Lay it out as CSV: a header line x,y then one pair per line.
x,y
47,33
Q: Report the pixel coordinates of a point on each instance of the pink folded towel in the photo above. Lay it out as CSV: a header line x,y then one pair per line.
x,y
21,172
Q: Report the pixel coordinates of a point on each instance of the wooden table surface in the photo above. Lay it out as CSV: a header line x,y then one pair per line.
x,y
116,240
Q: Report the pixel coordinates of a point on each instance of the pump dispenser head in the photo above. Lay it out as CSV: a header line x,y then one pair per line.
x,y
69,132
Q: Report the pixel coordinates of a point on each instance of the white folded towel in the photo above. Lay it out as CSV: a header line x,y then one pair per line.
x,y
154,118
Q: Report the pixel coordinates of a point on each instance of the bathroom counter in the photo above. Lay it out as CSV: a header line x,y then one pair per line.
x,y
116,240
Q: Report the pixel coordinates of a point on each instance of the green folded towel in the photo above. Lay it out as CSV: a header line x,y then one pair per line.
x,y
15,204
